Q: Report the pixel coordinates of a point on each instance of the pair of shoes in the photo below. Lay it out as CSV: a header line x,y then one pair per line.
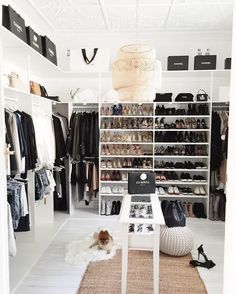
x,y
115,209
173,190
185,177
199,210
207,264
110,208
199,190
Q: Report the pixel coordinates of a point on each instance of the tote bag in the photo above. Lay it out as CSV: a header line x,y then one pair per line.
x,y
89,60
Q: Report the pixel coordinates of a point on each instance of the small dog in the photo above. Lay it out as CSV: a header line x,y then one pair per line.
x,y
103,240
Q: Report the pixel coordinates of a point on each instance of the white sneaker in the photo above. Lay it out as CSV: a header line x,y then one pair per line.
x,y
197,191
103,207
121,190
176,190
171,190
108,207
103,164
108,190
115,189
161,191
202,191
103,190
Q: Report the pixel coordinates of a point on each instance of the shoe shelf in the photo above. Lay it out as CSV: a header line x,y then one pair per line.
x,y
181,130
128,130
181,156
113,182
126,116
127,169
126,156
112,195
187,115
126,143
181,183
181,143
183,169
202,157
182,196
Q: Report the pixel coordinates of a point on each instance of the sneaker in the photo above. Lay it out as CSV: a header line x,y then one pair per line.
x,y
161,191
115,189
202,190
176,190
108,207
171,190
183,177
103,207
121,190
196,191
103,164
104,190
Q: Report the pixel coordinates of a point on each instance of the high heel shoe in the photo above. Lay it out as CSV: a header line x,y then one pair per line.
x,y
207,264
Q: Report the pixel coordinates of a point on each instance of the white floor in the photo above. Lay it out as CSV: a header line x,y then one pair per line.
x,y
52,275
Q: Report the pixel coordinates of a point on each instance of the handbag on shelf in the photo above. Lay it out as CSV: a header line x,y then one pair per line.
x,y
202,96
163,97
89,59
141,183
184,97
173,213
15,82
35,88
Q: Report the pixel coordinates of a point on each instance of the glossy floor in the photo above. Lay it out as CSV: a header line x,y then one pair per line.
x,y
52,275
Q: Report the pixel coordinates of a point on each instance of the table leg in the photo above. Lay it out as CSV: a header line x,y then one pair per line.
x,y
156,240
124,258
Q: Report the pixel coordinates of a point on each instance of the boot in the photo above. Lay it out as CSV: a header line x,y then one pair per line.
x,y
216,207
185,208
103,207
113,208
190,209
211,201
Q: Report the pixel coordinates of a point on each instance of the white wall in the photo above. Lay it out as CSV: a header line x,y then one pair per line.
x,y
230,237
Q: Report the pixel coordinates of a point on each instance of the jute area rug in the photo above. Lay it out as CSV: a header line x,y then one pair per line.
x,y
176,276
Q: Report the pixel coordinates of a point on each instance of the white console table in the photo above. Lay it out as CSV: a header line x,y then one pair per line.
x,y
141,241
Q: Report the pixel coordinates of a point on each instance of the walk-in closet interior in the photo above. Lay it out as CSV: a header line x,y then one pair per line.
x,y
71,131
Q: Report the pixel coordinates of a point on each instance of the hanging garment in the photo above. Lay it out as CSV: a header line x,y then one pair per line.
x,y
83,139
216,143
42,184
11,237
16,197
59,139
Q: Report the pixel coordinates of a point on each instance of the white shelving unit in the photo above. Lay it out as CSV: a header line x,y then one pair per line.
x,y
152,145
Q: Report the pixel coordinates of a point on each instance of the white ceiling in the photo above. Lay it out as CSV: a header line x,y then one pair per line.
x,y
120,15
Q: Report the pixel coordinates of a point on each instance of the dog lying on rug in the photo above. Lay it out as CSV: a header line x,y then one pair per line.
x,y
103,240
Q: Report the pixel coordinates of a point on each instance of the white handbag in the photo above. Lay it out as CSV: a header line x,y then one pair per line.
x,y
89,60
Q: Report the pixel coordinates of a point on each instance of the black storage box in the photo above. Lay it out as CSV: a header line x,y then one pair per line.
x,y
177,62
227,63
163,97
14,22
34,40
202,62
141,183
49,49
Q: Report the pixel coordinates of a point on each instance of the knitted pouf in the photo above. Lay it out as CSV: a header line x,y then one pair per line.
x,y
176,241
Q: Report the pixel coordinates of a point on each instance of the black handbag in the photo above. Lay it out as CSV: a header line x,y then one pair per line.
x,y
202,96
141,183
184,97
44,94
173,213
163,97
88,61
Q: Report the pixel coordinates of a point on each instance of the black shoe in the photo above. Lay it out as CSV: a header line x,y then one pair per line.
x,y
189,111
113,208
118,206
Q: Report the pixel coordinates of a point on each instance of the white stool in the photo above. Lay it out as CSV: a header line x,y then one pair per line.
x,y
177,241
141,241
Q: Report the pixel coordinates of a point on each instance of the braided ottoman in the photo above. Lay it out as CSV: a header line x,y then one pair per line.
x,y
177,241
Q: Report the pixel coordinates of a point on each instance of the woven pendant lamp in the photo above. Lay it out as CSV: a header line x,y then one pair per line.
x,y
136,74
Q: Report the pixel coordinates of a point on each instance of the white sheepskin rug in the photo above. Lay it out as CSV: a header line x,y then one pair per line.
x,y
79,253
